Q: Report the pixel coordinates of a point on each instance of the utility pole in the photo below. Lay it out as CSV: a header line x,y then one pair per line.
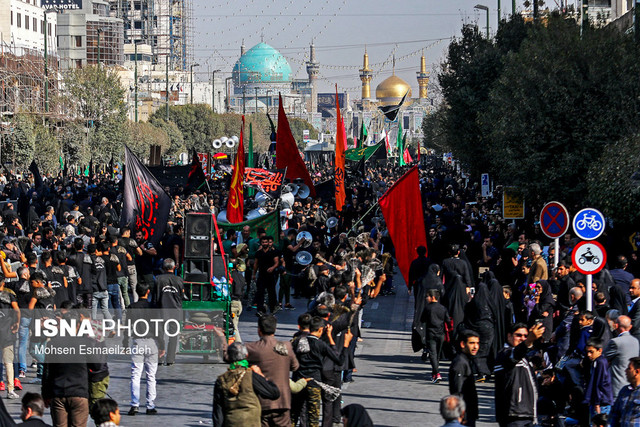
x,y
244,103
256,101
499,13
585,16
46,67
636,22
513,7
486,9
99,31
213,90
192,65
135,79
166,86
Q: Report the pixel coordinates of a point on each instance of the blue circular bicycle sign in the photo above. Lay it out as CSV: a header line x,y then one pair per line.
x,y
588,224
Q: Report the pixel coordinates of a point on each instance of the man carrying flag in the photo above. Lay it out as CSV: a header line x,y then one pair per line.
x,y
196,175
235,203
341,141
363,136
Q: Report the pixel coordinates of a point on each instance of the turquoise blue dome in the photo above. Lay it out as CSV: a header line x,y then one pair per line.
x,y
261,64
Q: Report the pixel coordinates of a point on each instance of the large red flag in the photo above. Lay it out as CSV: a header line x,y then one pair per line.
x,y
235,204
287,155
341,141
402,210
406,156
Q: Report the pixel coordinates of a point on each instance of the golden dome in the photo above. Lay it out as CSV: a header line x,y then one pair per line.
x,y
391,90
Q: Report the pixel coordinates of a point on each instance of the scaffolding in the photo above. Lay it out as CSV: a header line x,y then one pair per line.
x,y
165,25
22,77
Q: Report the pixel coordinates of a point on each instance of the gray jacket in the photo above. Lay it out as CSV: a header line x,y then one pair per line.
x,y
618,352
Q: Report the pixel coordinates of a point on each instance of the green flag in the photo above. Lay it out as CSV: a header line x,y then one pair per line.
x,y
355,154
270,222
61,163
363,135
400,146
250,191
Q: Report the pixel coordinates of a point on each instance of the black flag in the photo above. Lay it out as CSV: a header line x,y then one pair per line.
x,y
37,179
272,137
146,205
196,175
391,111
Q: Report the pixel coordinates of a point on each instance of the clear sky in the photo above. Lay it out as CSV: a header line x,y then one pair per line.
x,y
340,30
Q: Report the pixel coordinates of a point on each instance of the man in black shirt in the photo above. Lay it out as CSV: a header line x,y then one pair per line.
x,y
311,352
462,381
267,260
100,294
170,289
9,321
123,258
83,264
133,250
112,267
23,291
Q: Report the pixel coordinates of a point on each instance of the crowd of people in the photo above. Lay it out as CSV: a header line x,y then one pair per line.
x,y
488,294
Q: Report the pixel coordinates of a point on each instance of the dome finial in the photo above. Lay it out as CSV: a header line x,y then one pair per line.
x,y
393,72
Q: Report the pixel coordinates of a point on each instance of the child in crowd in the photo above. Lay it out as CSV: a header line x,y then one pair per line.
x,y
598,394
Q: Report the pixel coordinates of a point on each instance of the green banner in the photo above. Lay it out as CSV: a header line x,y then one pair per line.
x,y
270,222
356,154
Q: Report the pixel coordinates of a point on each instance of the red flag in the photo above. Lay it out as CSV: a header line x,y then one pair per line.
x,y
407,156
341,142
235,204
287,154
402,210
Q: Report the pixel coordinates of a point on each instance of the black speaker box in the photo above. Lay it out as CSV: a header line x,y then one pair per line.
x,y
218,265
198,231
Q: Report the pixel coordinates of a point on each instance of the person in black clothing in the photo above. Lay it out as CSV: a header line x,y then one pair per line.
x,y
455,265
31,411
121,274
311,352
22,289
83,264
419,267
434,316
267,260
112,267
516,388
55,277
462,375
238,284
170,290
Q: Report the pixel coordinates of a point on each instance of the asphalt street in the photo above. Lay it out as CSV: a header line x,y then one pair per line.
x,y
391,382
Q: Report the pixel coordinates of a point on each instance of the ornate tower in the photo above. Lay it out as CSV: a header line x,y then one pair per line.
x,y
366,75
242,48
423,78
312,70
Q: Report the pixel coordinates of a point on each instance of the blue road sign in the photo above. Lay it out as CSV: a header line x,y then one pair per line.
x,y
588,224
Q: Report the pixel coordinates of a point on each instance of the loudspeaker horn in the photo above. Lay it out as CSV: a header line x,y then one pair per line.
x,y
222,217
256,213
217,143
332,222
287,200
262,199
303,191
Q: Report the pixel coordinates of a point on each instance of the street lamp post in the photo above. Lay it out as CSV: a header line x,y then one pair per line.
x,y
99,31
268,99
213,90
191,79
46,67
486,9
135,79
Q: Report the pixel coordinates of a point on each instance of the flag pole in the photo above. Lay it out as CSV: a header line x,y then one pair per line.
x,y
363,216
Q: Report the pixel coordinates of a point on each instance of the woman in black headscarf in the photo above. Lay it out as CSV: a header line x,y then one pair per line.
x,y
432,280
355,415
455,299
479,318
543,310
498,306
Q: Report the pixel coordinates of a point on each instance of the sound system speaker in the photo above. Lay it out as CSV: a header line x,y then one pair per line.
x,y
198,231
218,265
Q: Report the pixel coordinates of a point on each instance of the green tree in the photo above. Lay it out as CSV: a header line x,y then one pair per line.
x,y
95,96
176,140
72,141
142,135
297,126
557,104
614,181
19,148
196,122
48,153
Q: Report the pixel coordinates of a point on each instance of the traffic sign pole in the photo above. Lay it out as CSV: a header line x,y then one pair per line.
x,y
589,291
556,255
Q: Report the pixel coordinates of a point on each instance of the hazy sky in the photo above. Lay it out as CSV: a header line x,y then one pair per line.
x,y
340,30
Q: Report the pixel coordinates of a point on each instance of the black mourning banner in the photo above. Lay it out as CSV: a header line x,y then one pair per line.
x,y
391,111
146,205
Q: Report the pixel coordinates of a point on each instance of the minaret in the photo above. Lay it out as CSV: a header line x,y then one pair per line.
x,y
423,78
242,48
366,75
312,70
